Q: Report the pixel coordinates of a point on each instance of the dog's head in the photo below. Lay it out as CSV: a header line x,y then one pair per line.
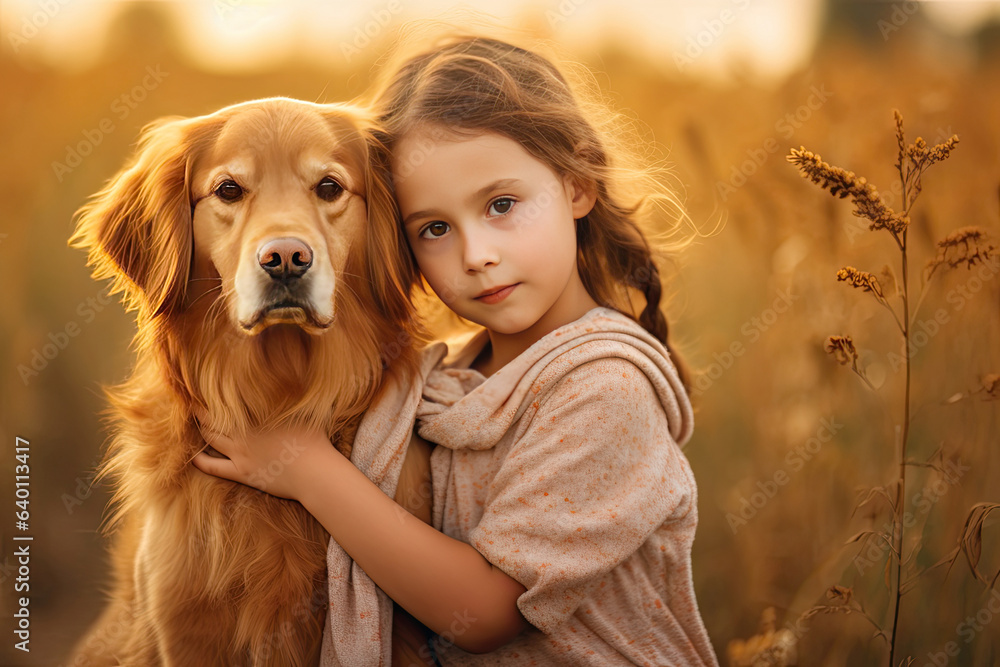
x,y
268,209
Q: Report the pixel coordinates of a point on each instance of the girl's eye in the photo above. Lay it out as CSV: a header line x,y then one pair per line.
x,y
435,230
328,189
501,206
229,191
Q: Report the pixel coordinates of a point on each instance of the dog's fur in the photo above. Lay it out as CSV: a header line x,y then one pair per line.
x,y
210,572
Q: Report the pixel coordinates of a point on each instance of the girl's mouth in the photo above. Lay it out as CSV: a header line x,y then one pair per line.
x,y
496,295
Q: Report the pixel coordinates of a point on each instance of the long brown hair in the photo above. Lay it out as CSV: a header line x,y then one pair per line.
x,y
476,84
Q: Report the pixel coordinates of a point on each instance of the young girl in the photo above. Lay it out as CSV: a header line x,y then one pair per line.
x,y
565,506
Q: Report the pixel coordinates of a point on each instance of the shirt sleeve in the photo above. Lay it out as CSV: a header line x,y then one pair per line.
x,y
594,474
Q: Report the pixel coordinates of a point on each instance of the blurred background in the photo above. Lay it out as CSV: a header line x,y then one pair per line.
x,y
786,439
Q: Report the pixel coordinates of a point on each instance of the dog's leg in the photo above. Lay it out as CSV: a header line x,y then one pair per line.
x,y
228,588
283,623
197,636
183,619
294,636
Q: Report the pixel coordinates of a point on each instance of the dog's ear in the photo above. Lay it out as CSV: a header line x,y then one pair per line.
x,y
392,268
137,229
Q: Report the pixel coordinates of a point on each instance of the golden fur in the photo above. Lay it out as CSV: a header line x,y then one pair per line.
x,y
209,572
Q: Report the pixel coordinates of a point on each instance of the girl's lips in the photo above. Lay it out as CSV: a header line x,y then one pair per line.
x,y
497,296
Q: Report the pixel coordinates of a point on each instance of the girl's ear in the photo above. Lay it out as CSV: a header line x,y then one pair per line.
x,y
137,229
583,195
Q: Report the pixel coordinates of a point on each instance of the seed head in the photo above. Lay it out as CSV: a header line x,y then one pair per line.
x,y
866,281
991,385
942,151
900,138
842,183
768,648
840,594
842,348
968,245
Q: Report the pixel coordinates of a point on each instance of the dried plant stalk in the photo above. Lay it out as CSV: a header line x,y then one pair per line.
x,y
768,648
968,246
842,183
866,281
842,348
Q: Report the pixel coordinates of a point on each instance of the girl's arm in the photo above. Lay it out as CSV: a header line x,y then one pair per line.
x,y
445,583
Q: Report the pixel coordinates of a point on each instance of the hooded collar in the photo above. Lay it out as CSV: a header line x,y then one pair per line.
x,y
462,409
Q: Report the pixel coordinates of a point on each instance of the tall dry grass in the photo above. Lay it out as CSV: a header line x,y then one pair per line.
x,y
780,237
969,248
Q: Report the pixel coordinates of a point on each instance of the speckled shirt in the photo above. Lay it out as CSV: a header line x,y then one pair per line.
x,y
564,469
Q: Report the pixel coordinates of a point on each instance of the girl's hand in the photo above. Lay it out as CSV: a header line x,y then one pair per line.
x,y
429,574
272,461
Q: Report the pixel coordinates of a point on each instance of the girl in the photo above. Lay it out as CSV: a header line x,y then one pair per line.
x,y
566,508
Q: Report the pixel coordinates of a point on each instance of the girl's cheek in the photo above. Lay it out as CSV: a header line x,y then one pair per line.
x,y
432,256
536,210
527,213
429,247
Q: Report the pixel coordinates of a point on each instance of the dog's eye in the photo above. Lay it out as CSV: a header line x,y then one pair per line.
x,y
329,189
229,191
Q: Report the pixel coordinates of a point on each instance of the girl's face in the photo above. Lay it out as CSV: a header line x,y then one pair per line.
x,y
493,229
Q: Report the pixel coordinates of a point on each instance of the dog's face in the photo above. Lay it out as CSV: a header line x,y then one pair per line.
x,y
279,204
270,204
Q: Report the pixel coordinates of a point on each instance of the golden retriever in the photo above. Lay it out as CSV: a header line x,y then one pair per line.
x,y
267,272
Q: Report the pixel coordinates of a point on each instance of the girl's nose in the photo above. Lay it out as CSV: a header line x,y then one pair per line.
x,y
479,251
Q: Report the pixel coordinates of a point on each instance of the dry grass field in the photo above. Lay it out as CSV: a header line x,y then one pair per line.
x,y
787,441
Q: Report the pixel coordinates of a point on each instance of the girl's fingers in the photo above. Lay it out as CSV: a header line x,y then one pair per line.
x,y
215,466
219,442
200,415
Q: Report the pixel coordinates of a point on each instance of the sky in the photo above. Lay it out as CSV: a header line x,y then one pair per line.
x,y
701,38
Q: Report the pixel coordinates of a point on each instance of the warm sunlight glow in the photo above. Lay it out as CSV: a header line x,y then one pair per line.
x,y
768,38
711,39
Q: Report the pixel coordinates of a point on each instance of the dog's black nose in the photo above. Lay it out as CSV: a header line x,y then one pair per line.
x,y
285,258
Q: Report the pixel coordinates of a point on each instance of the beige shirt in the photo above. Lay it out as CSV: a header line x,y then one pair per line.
x,y
564,469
